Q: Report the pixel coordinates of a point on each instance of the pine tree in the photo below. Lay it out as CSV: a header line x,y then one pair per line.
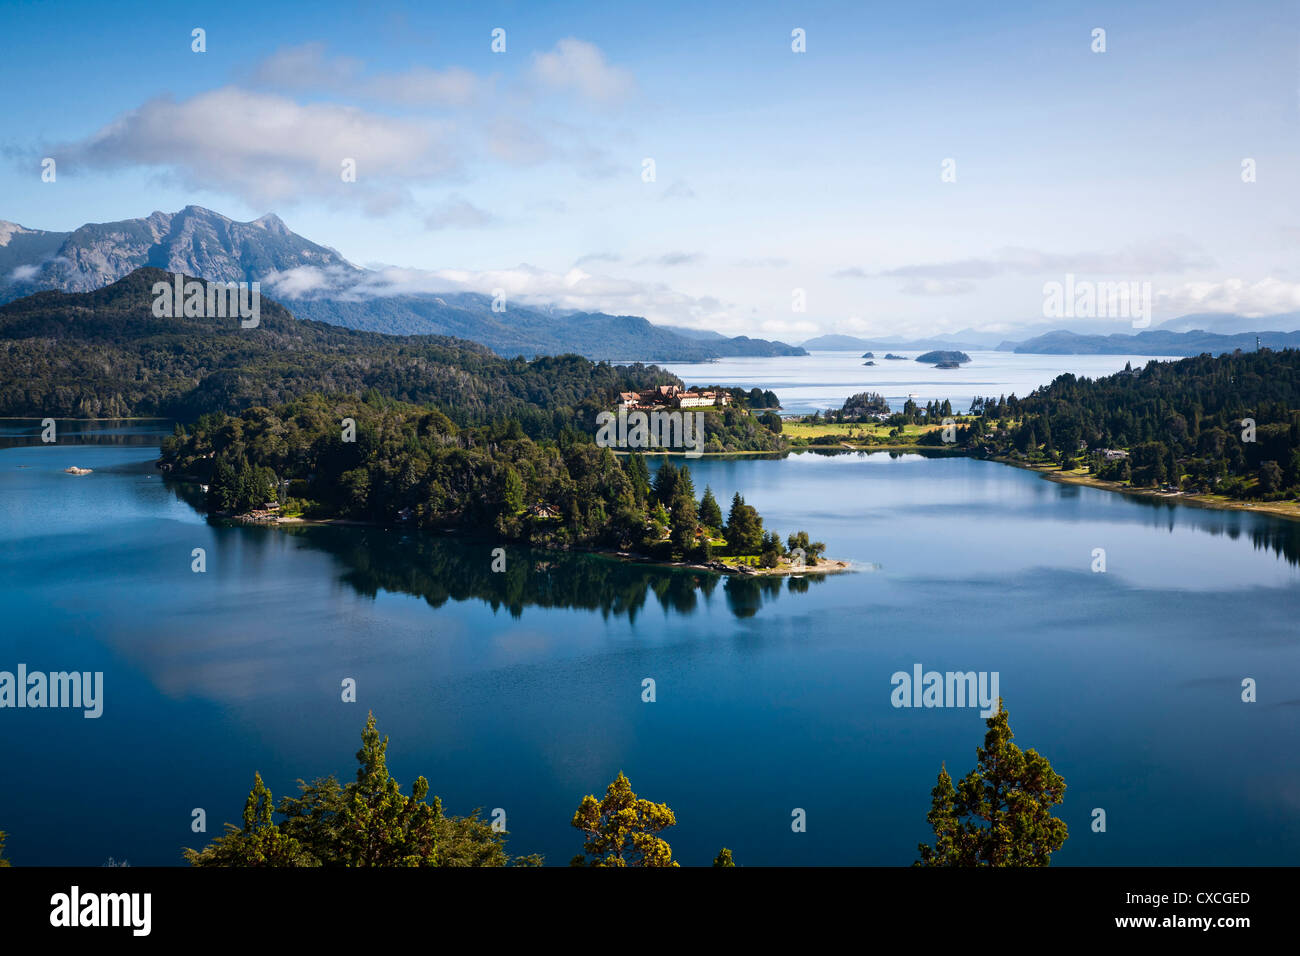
x,y
744,530
622,830
683,523
665,484
639,474
369,822
710,513
685,486
1001,812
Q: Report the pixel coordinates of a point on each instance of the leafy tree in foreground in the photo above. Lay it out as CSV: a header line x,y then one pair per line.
x,y
724,859
3,861
622,830
1000,814
363,824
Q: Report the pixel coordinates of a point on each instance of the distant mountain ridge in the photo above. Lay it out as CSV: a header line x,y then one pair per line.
x,y
1156,342
847,343
208,245
106,354
738,345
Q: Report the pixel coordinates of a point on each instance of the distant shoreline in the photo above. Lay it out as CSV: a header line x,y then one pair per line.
x,y
1282,509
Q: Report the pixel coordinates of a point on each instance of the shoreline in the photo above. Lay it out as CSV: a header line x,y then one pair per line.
x,y
823,566
1280,509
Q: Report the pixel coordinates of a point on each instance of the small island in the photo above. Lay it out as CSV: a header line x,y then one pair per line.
x,y
868,354
896,358
868,363
74,470
944,359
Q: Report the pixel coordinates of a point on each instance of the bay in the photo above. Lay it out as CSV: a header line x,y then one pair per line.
x,y
523,690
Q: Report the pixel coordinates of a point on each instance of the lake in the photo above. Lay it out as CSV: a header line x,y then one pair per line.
x,y
822,380
523,690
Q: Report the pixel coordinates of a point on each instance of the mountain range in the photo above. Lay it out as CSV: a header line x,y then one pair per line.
x,y
1155,342
208,245
1170,338
199,242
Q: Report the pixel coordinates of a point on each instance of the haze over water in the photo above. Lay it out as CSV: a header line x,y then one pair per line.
x,y
822,380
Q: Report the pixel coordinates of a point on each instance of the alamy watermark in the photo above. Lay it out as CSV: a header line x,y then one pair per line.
x,y
83,690
950,689
656,429
1085,299
208,300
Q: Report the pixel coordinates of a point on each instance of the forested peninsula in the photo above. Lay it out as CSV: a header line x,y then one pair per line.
x,y
383,461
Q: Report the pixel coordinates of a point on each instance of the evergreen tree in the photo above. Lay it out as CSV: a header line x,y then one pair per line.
x,y
665,484
363,824
709,512
622,830
258,843
639,474
512,491
1001,812
744,530
683,524
685,486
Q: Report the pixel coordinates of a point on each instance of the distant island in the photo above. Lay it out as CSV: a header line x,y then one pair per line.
x,y
896,358
944,359
868,363
869,355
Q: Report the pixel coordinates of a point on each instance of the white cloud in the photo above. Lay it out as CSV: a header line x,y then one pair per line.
x,y
1251,299
308,67
1154,257
937,287
579,67
305,67
425,87
267,148
575,289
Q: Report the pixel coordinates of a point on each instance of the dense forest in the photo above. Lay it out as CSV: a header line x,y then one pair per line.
x,y
376,459
104,354
1227,425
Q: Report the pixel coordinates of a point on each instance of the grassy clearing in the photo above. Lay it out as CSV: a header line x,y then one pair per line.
x,y
851,431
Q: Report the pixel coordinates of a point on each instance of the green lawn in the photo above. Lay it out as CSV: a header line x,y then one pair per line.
x,y
850,431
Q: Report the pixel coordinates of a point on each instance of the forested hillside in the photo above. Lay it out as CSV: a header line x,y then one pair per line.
x,y
104,354
1228,424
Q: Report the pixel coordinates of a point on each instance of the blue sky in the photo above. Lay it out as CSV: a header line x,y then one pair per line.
x,y
775,170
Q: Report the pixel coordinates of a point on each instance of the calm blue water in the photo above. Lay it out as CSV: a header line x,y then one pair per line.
x,y
822,380
523,691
